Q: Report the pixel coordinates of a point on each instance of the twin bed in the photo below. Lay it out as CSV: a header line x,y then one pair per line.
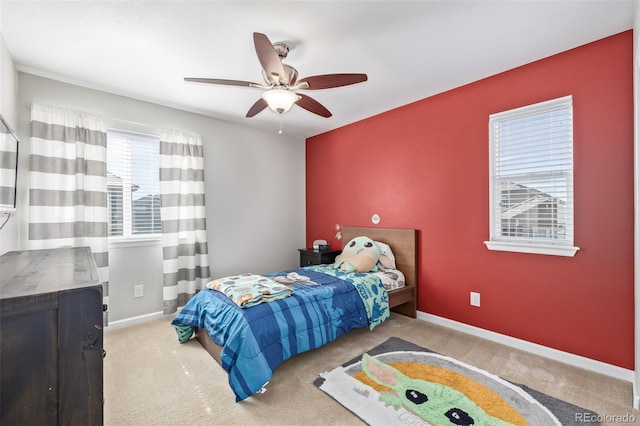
x,y
324,303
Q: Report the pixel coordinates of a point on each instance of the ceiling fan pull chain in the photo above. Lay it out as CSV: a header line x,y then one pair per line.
x,y
281,123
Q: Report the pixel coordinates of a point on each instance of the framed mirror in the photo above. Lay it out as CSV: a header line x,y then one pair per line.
x,y
8,167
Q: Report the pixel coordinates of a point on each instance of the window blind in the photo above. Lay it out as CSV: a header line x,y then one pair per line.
x,y
531,173
133,184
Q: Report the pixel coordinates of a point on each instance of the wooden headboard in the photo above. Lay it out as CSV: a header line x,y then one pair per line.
x,y
402,243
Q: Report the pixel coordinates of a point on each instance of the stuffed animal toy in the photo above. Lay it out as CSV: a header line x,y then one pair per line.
x,y
361,254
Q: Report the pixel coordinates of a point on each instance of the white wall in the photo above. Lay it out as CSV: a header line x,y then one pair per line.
x,y
255,191
8,109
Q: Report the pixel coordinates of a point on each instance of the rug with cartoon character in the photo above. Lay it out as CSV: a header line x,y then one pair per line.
x,y
402,383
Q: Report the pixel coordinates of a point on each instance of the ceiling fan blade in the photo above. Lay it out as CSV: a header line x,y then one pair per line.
x,y
267,55
224,82
328,81
312,105
257,107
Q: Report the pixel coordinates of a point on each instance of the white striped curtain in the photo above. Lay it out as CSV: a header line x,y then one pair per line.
x,y
68,184
8,162
182,209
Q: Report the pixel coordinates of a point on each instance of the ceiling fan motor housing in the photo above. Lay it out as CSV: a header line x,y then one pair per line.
x,y
288,79
281,49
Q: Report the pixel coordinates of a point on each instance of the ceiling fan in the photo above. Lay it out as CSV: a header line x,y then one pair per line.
x,y
282,83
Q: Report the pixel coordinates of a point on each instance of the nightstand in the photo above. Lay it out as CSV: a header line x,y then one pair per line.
x,y
314,257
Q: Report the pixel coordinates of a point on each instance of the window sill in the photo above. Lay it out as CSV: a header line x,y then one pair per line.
x,y
119,242
553,250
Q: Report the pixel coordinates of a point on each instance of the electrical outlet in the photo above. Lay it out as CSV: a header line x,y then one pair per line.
x,y
474,299
138,291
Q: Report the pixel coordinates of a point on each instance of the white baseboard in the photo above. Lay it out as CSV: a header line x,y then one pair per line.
x,y
555,354
127,322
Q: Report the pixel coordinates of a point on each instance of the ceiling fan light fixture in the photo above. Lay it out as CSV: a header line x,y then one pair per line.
x,y
280,100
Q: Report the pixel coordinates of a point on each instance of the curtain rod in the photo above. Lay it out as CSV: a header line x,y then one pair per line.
x,y
6,125
132,126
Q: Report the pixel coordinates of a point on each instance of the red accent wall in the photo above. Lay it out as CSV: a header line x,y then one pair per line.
x,y
425,166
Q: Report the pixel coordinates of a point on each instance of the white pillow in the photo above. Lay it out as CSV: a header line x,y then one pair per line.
x,y
386,250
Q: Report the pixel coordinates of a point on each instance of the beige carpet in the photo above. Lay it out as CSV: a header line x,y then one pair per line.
x,y
149,378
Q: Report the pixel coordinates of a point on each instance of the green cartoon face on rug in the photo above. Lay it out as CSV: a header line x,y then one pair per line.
x,y
436,403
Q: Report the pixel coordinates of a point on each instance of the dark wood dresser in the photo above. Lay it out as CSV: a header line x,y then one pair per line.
x,y
50,338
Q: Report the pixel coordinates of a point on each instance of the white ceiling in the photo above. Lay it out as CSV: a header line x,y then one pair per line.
x,y
409,49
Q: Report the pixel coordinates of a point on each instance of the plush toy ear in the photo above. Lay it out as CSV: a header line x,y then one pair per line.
x,y
386,261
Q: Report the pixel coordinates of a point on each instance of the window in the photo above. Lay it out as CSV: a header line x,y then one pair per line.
x,y
133,184
531,179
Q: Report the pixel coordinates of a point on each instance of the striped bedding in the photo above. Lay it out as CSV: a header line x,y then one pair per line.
x,y
256,340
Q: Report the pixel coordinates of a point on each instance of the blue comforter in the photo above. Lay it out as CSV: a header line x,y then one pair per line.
x,y
256,340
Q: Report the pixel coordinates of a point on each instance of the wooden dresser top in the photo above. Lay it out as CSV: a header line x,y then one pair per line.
x,y
24,273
